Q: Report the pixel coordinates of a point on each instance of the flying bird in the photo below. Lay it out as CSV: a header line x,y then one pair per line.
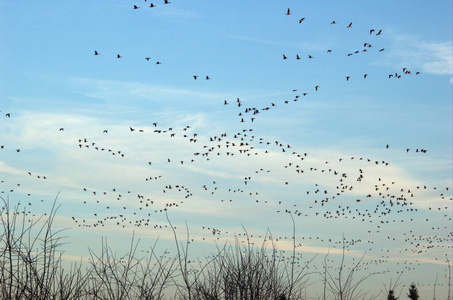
x,y
288,12
349,26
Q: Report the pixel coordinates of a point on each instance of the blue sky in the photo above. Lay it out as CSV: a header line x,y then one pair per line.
x,y
51,79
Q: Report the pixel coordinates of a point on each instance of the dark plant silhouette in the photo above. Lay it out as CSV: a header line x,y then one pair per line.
x,y
31,268
413,292
391,295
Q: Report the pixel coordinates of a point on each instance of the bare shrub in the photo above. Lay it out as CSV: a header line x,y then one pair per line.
x,y
31,265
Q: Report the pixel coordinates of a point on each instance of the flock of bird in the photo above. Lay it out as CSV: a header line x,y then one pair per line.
x,y
384,204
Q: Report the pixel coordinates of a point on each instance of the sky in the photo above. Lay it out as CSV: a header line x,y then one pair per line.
x,y
266,136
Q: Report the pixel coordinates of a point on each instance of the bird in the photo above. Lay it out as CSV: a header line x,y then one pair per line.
x,y
301,20
347,78
365,75
118,56
371,31
152,5
147,58
195,77
166,2
316,87
333,22
284,56
288,12
136,7
349,26
379,32
96,53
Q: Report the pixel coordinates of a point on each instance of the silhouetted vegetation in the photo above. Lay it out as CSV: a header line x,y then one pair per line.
x,y
391,295
32,268
413,292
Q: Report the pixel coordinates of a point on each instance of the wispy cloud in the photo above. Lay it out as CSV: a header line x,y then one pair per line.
x,y
306,46
433,57
120,90
176,14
